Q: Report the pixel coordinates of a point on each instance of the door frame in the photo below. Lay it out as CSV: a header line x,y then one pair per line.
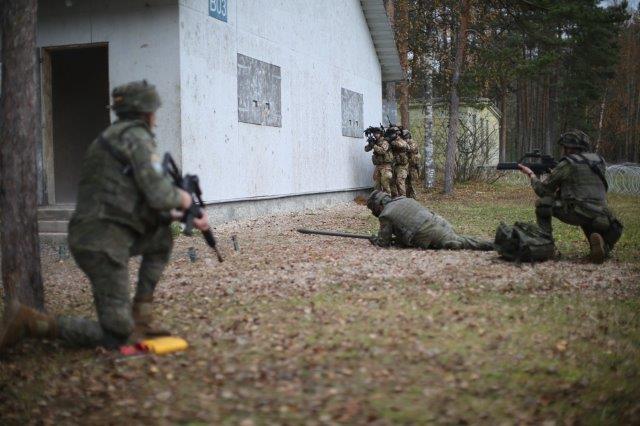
x,y
48,172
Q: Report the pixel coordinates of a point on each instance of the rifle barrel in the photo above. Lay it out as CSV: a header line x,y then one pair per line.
x,y
507,166
335,234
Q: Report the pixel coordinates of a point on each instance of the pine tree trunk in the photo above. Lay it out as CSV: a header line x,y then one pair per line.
x,y
503,124
402,30
454,103
429,163
21,275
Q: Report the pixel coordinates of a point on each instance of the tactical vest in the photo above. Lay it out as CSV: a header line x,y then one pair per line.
x,y
400,155
587,181
414,153
107,188
380,159
407,216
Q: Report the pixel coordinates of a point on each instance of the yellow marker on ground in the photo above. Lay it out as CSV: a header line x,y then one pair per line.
x,y
165,345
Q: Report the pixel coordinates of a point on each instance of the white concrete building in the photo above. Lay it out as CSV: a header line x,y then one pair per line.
x,y
264,100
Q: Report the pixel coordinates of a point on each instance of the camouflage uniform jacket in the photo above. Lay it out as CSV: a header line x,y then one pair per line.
x,y
574,180
123,182
381,152
400,149
402,217
414,153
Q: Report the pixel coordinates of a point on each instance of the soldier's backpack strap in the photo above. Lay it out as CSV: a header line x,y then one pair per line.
x,y
127,168
593,165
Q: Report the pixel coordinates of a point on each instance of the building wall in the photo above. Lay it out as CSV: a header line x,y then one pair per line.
x,y
143,39
320,50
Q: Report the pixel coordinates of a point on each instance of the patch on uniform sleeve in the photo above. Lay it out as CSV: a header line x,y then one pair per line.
x,y
155,163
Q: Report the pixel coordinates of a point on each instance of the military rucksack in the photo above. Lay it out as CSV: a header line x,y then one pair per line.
x,y
524,242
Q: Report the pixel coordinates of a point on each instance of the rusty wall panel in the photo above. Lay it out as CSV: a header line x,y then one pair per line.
x,y
352,115
259,92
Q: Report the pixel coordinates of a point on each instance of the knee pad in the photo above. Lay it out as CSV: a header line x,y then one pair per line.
x,y
118,323
601,224
613,233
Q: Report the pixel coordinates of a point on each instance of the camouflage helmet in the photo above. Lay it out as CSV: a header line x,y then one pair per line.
x,y
406,134
391,133
137,96
574,139
372,130
377,198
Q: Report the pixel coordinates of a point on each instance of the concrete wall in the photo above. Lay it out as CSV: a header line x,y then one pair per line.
x,y
321,48
143,40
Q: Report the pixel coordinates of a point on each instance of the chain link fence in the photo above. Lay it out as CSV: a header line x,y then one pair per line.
x,y
622,178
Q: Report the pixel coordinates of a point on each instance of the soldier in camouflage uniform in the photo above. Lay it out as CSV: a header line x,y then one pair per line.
x,y
575,192
124,208
415,160
382,158
413,225
400,150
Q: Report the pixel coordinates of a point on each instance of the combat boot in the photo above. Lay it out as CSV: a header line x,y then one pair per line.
x,y
597,248
143,319
22,321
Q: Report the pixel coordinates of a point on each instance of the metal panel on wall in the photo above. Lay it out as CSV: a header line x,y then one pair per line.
x,y
352,115
259,92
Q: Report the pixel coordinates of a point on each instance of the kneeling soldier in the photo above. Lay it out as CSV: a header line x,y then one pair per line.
x,y
413,225
575,192
124,209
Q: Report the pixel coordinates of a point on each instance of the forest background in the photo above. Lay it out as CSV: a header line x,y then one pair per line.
x,y
548,66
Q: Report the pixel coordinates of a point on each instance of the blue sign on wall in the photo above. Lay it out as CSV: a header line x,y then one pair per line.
x,y
219,9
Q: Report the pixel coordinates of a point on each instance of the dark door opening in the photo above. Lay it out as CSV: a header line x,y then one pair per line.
x,y
79,99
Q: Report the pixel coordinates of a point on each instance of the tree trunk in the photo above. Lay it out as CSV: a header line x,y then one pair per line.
x,y
21,275
503,124
603,104
402,31
429,163
454,103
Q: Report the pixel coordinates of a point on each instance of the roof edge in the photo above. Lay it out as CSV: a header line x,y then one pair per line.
x,y
378,23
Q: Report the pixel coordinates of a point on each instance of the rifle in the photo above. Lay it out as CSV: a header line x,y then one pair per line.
x,y
191,184
337,234
544,164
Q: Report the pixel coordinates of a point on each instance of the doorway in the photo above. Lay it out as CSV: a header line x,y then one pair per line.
x,y
78,80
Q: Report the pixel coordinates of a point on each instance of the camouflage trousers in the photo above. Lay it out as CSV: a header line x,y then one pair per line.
x,y
413,180
438,234
382,178
400,173
590,217
108,272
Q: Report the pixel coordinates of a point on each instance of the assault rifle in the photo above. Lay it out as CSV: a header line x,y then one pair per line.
x,y
539,163
191,184
337,234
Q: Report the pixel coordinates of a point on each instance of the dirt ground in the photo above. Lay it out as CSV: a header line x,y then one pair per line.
x,y
300,329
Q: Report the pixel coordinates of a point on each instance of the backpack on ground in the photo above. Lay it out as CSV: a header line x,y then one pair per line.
x,y
524,242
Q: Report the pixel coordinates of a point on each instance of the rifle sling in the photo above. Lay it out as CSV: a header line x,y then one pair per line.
x,y
127,168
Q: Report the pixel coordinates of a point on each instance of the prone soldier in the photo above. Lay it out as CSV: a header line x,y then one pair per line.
x,y
575,192
125,206
413,225
382,159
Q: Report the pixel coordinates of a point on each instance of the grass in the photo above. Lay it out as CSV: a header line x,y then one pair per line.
x,y
478,208
400,350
